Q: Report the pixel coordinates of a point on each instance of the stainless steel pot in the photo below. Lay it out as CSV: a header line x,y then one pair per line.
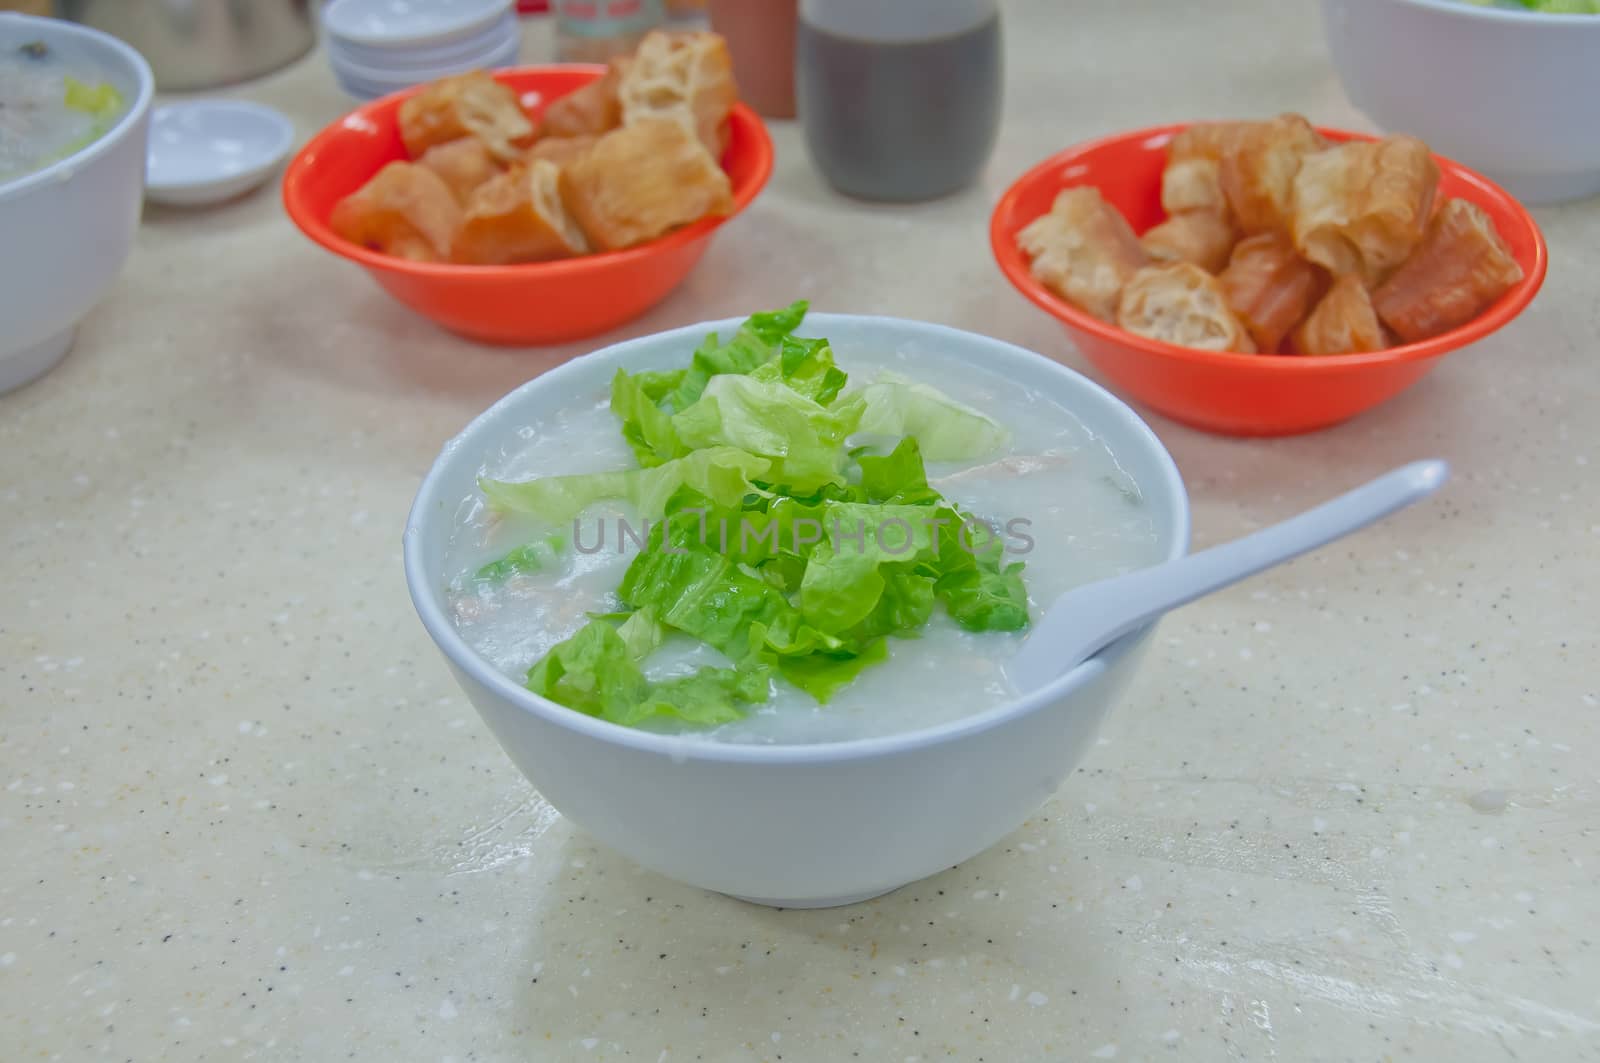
x,y
198,44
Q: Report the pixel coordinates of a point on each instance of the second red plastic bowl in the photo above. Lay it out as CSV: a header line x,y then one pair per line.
x,y
528,304
1240,394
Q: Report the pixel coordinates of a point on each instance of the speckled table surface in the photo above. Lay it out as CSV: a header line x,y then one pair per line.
x,y
1348,812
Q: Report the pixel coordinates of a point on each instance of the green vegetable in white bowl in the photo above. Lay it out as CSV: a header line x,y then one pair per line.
x,y
1547,7
74,119
922,758
49,108
775,543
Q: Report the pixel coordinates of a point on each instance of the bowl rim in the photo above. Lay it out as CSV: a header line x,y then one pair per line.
x,y
1014,265
111,137
296,177
447,32
426,593
1505,14
394,78
341,46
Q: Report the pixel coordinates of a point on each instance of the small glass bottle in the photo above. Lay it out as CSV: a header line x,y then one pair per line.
x,y
593,31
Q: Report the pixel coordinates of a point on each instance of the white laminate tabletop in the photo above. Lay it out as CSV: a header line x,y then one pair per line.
x,y
1349,811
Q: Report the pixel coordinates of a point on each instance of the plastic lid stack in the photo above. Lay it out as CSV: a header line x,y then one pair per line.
x,y
376,47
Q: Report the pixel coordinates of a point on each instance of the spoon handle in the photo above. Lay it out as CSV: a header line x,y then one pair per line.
x,y
1098,613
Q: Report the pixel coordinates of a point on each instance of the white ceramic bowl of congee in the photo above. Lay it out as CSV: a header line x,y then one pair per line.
x,y
1509,92
67,225
793,825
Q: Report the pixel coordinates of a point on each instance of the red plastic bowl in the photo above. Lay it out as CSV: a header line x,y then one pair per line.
x,y
529,304
1241,394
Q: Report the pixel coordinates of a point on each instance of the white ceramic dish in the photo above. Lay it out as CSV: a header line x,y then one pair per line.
x,y
797,825
357,89
402,23
401,76
1509,93
207,151
451,52
367,87
67,228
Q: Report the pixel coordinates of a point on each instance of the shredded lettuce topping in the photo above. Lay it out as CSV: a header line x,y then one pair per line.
x,y
792,554
101,102
1547,7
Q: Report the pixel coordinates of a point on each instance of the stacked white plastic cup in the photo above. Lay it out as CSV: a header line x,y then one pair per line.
x,y
381,46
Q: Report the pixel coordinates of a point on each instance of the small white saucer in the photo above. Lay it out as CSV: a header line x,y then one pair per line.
x,y
206,151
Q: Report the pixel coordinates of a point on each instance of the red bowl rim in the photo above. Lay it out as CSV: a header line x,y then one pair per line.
x,y
296,175
1014,265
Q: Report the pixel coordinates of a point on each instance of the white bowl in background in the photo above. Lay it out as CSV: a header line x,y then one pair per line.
x,y
403,23
1510,93
426,55
796,825
358,89
400,76
207,151
67,228
369,85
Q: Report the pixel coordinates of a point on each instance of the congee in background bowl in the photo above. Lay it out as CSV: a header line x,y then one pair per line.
x,y
738,597
72,152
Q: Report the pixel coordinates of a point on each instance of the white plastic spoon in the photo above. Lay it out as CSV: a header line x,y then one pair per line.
x,y
1088,618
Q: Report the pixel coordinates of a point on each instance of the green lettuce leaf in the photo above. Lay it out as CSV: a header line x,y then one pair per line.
x,y
945,429
714,695
709,697
102,101
846,577
771,326
778,542
898,477
658,385
723,474
802,439
595,672
646,427
738,356
756,342
642,633
691,587
688,585
822,675
1563,7
973,582
522,561
804,366
904,607
591,672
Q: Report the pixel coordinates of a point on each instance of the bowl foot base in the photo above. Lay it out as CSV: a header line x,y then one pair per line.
x,y
35,360
825,902
1551,188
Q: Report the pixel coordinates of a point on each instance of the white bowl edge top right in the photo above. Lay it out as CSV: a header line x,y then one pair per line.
x,y
1509,93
